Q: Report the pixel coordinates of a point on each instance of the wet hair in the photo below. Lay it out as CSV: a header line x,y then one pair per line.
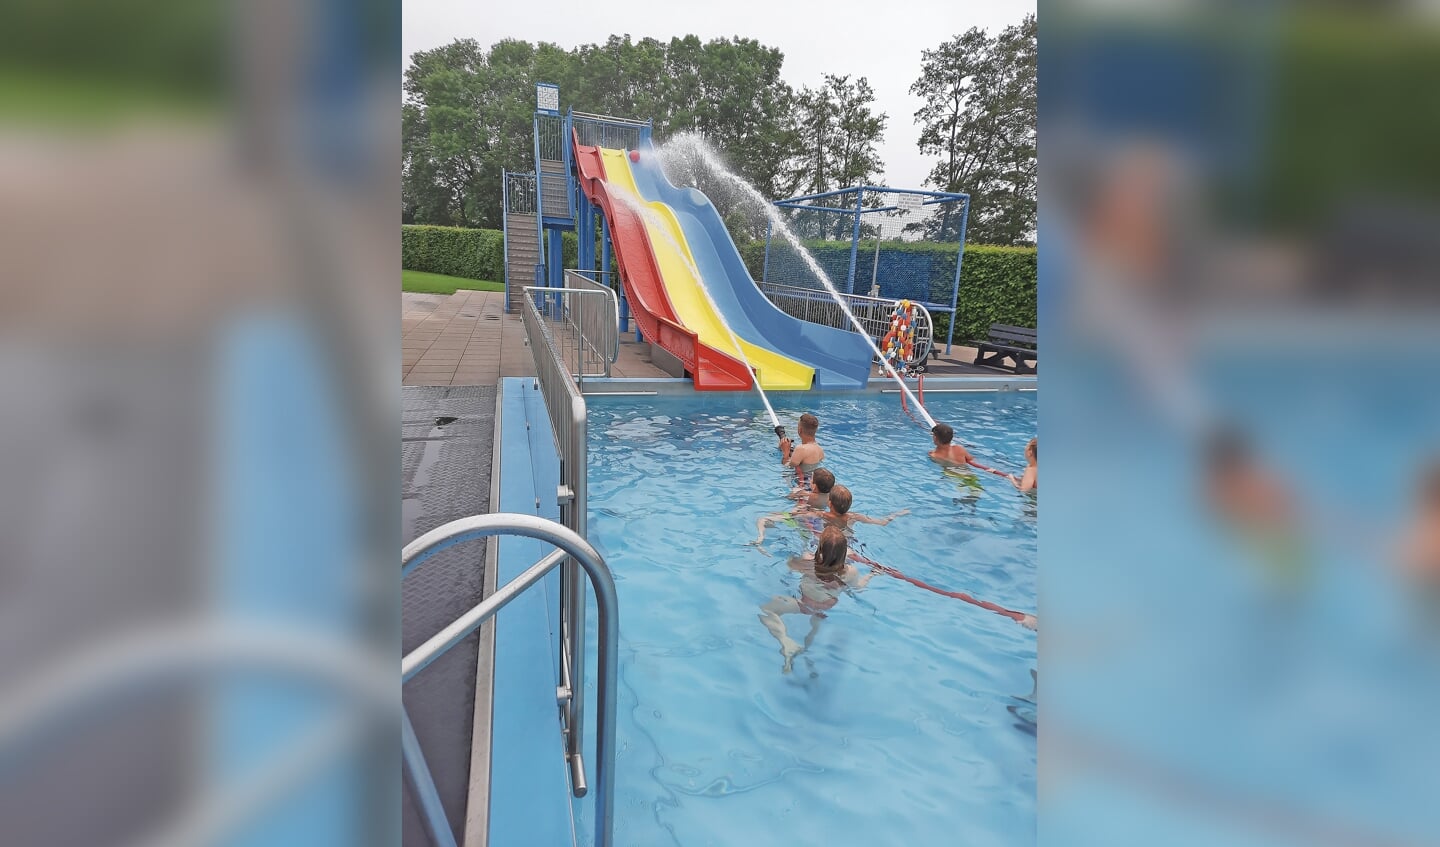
x,y
944,433
831,551
823,481
808,423
840,499
1034,448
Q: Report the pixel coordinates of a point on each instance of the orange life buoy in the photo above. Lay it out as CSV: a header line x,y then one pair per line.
x,y
898,345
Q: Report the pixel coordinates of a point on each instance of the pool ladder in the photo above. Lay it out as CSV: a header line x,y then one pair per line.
x,y
570,546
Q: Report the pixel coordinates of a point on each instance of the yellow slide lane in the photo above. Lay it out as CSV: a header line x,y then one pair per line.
x,y
672,253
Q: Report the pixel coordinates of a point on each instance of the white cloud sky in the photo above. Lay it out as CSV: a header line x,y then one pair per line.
x,y
880,41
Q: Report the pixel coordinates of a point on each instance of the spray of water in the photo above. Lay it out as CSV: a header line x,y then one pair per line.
x,y
656,223
694,147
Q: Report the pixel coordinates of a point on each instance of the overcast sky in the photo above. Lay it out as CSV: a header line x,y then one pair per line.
x,y
877,40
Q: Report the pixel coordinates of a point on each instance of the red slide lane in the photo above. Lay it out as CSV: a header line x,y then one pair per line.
x,y
711,369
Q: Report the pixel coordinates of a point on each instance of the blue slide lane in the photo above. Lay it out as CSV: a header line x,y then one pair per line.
x,y
841,359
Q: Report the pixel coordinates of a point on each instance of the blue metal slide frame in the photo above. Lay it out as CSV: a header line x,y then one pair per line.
x,y
806,203
841,359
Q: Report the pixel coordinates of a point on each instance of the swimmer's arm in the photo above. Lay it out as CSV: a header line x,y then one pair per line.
x,y
763,522
854,579
970,460
1028,481
859,518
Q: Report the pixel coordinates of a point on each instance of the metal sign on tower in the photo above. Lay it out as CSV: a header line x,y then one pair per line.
x,y
547,98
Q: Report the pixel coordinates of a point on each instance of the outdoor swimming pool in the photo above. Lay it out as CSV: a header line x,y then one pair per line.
x,y
909,720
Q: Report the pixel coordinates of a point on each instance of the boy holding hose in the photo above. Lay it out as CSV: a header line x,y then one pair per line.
x,y
808,455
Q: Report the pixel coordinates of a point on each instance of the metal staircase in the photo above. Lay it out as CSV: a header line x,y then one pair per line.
x,y
558,206
555,188
522,236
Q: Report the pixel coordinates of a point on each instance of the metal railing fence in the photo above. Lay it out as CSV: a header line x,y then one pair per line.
x,y
874,313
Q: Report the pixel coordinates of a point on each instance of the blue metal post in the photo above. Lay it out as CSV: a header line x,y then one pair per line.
x,y
554,263
585,233
539,197
959,260
765,268
605,269
854,242
604,266
505,229
567,152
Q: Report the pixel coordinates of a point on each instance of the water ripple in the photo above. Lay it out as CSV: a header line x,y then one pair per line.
x,y
904,697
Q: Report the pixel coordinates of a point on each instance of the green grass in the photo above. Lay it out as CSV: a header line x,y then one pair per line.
x,y
47,98
424,283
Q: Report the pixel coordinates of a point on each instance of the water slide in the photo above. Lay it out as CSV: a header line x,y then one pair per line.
x,y
710,368
840,358
663,236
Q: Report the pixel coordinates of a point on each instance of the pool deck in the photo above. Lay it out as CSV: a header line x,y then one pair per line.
x,y
447,453
466,338
459,444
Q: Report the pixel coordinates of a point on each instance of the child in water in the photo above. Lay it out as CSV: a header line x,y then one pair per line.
x,y
838,514
1030,480
806,457
947,453
824,577
817,497
1256,504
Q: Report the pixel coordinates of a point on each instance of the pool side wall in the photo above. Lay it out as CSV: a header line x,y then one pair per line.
x,y
529,779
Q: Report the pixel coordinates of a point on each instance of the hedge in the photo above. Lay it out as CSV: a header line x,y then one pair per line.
x,y
453,251
468,253
997,284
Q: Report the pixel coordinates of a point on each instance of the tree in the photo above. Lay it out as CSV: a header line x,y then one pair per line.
x,y
839,134
729,92
424,196
468,111
979,118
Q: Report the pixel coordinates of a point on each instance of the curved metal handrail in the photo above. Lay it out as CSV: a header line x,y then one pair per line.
x,y
576,320
876,318
79,691
568,542
614,304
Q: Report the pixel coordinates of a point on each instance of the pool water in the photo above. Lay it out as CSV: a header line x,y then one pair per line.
x,y
910,718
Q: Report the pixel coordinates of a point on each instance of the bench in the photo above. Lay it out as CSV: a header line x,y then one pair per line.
x,y
1015,343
